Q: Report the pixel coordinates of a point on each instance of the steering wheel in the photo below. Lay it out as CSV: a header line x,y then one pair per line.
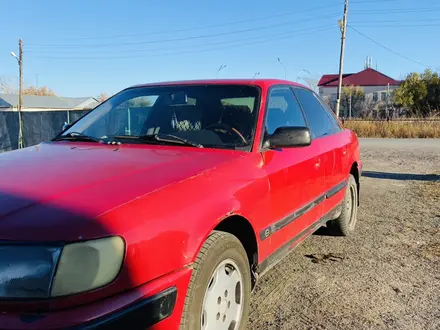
x,y
230,129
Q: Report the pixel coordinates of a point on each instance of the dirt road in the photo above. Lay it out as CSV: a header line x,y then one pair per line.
x,y
387,276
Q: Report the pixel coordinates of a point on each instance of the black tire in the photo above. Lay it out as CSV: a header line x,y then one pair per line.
x,y
218,247
345,224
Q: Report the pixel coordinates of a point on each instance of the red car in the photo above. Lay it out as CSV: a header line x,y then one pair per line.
x,y
163,206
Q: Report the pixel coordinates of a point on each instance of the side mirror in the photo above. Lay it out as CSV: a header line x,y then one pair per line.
x,y
66,126
289,137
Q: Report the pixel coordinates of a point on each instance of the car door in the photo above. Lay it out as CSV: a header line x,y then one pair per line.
x,y
296,176
341,140
328,142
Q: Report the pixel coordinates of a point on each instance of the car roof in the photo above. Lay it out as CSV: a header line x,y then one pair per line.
x,y
263,83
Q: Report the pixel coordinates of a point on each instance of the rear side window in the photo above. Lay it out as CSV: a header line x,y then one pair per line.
x,y
336,125
316,115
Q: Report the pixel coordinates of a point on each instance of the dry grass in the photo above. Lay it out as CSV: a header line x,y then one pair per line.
x,y
395,129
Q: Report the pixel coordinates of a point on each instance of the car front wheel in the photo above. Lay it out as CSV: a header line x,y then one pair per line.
x,y
220,287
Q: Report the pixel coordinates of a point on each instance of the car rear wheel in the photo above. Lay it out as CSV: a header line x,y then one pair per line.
x,y
345,224
219,292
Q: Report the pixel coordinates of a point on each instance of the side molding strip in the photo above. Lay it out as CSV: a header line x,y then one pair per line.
x,y
278,255
273,228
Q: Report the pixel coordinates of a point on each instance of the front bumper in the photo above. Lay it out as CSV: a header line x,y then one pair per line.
x,y
157,305
141,315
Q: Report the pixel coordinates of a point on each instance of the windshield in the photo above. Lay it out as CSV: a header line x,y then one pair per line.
x,y
222,116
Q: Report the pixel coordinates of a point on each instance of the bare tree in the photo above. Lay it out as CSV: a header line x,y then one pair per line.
x,y
328,100
102,97
367,107
41,91
7,86
352,97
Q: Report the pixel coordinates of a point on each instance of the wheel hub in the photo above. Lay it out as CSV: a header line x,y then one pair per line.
x,y
222,304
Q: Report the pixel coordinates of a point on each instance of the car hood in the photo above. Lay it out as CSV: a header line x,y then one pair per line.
x,y
64,186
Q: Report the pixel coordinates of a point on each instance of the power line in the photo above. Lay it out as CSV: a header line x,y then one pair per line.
x,y
396,25
138,50
206,26
137,43
305,32
227,23
398,21
201,45
395,11
389,49
372,1
189,52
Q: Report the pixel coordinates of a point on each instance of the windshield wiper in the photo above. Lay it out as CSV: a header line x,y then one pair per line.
x,y
161,137
74,136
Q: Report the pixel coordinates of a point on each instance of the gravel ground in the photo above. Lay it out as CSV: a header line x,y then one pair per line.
x,y
386,276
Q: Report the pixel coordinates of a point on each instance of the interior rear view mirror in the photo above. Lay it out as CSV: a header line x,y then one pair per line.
x,y
179,98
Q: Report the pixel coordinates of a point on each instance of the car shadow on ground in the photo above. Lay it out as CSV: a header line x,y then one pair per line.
x,y
324,231
401,176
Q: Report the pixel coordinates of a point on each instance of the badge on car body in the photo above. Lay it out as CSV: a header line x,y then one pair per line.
x,y
267,233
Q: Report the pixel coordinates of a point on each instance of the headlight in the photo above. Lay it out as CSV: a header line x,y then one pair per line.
x,y
27,271
44,272
88,265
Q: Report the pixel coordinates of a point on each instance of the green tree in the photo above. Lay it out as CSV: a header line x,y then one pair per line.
x,y
432,81
419,93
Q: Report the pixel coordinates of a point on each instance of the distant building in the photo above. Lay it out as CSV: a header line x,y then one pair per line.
x,y
375,85
9,102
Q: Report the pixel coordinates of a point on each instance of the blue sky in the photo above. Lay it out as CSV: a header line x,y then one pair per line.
x,y
85,47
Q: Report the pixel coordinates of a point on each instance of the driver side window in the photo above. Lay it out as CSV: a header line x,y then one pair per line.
x,y
283,110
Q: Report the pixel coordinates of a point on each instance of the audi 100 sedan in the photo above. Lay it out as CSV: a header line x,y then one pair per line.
x,y
163,206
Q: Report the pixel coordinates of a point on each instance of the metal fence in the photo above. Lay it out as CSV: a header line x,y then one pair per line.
x,y
38,126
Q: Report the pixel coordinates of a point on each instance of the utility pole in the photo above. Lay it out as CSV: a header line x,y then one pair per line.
x,y
20,95
19,59
343,27
387,100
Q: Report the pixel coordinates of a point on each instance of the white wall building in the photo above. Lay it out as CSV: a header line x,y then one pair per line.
x,y
375,85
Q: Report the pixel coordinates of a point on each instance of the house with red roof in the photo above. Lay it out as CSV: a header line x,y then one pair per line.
x,y
376,85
